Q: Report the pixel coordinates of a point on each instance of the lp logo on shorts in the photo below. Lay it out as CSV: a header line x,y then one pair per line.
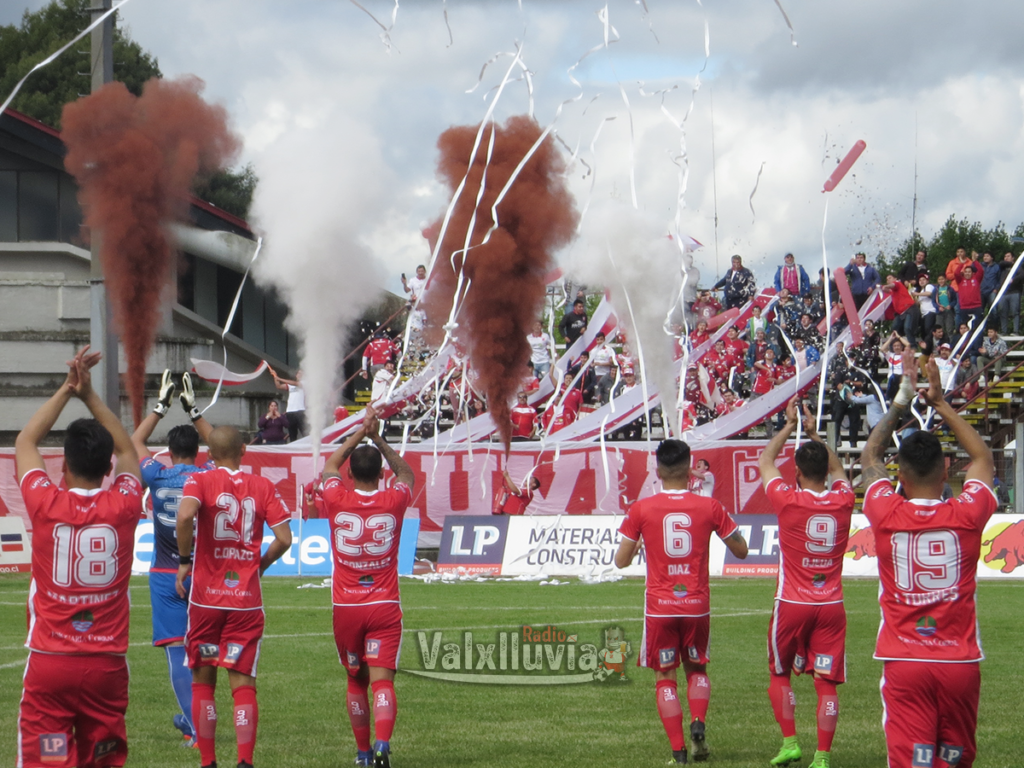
x,y
950,754
234,651
104,748
209,651
666,656
353,659
691,650
372,648
53,745
923,754
823,663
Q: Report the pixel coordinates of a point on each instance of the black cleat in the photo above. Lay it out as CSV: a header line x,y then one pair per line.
x,y
211,765
700,747
244,764
381,759
678,757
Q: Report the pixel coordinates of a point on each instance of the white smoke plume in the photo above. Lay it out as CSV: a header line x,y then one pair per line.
x,y
631,254
321,191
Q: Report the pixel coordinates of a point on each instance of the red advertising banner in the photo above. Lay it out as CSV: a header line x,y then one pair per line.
x,y
583,480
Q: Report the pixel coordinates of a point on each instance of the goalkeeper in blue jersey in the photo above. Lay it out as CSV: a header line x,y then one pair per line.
x,y
170,612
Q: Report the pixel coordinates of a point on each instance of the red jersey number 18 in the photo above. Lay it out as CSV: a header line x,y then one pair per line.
x,y
86,556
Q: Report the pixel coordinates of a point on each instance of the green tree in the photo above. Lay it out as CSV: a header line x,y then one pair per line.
x,y
41,33
230,191
955,233
64,80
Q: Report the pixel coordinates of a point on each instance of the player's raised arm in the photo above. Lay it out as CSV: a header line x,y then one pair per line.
x,y
332,467
26,446
188,403
835,465
771,451
982,465
403,472
144,431
872,459
126,460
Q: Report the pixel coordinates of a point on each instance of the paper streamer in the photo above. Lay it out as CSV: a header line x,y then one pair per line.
x,y
385,34
753,192
849,306
49,59
785,16
231,318
211,371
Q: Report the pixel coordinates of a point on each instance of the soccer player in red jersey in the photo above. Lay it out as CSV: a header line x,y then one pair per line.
x,y
227,509
928,552
76,680
675,527
366,524
808,625
513,499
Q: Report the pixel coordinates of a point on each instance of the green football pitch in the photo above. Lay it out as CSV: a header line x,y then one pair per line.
x,y
303,721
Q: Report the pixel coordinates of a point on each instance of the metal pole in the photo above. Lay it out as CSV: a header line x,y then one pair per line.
x,y
101,336
1018,468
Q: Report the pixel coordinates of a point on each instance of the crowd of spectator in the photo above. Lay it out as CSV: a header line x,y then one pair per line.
x,y
786,331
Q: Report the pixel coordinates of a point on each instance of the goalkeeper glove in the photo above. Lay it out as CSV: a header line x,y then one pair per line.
x,y
188,397
166,393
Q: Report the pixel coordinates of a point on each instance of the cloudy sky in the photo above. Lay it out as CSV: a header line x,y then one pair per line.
x,y
936,85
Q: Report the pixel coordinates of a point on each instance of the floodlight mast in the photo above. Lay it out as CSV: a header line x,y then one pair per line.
x,y
101,335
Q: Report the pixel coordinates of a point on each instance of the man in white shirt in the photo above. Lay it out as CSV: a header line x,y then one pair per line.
x,y
381,383
602,356
540,350
415,285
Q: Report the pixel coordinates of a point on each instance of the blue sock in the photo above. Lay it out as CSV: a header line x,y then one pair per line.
x,y
381,746
181,681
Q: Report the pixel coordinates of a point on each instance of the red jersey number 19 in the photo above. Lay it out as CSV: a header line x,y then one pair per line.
x,y
678,542
926,560
86,556
225,524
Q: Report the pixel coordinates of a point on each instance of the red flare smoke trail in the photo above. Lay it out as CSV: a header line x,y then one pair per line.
x,y
135,159
536,217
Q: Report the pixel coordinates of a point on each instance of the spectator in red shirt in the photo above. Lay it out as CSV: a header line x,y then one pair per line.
x,y
699,335
514,499
968,293
902,309
524,418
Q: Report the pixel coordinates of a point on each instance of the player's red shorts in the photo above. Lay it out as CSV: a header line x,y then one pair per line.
x,y
930,713
666,637
368,633
222,638
804,637
72,711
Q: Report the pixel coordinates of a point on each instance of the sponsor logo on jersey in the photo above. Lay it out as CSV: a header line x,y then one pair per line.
x,y
679,590
231,579
823,663
366,581
666,656
926,626
353,658
545,655
82,621
818,581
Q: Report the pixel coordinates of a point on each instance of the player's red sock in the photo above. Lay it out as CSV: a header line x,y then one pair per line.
x,y
671,713
698,695
828,713
783,704
247,716
384,709
204,717
359,712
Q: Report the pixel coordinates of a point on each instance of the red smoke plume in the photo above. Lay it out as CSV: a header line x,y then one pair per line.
x,y
135,159
536,217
